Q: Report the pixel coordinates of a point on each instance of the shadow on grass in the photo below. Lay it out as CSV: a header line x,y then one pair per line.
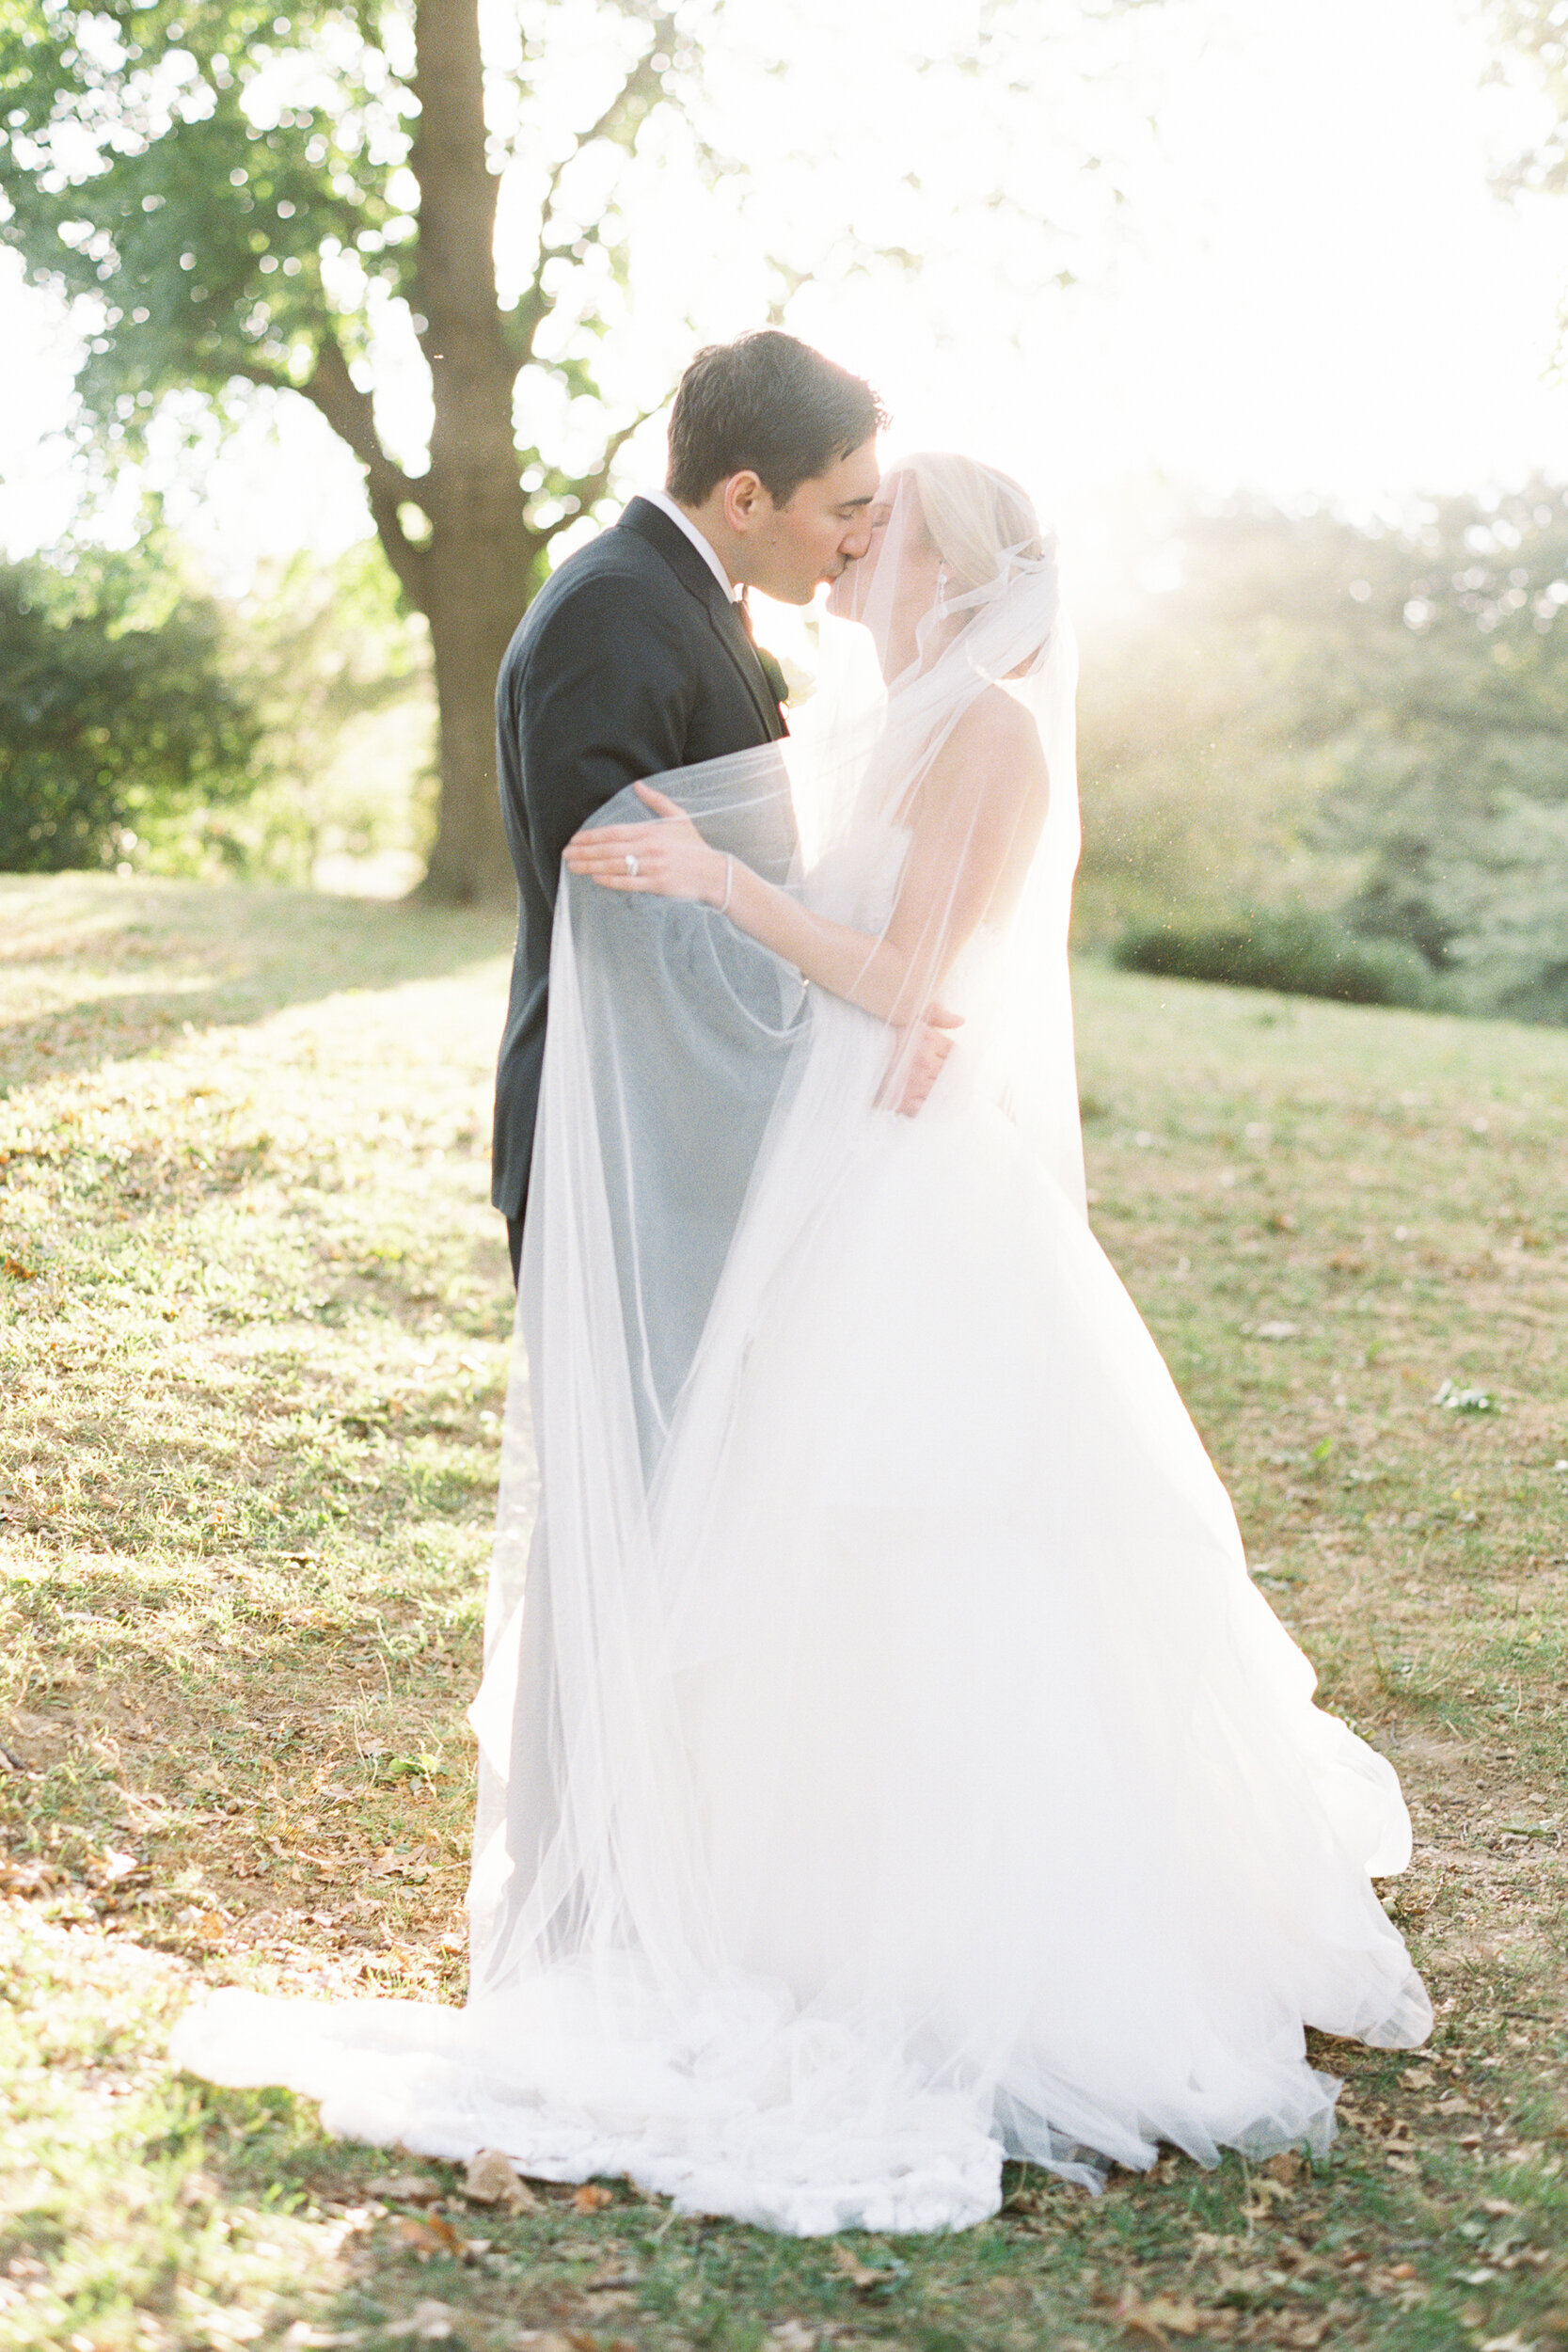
x,y
95,969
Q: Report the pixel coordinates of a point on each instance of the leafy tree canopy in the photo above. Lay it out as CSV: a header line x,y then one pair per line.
x,y
419,214
116,715
1372,722
233,195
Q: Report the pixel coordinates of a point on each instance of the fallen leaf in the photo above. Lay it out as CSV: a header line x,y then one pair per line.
x,y
425,2238
793,2335
492,2179
1264,2190
861,2276
28,1878
1160,2317
614,2279
407,2189
1181,2317
1288,2166
593,2197
429,2321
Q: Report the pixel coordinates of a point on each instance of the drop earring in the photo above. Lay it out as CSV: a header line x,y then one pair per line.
x,y
942,589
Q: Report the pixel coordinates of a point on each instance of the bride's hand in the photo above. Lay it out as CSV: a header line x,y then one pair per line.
x,y
915,1062
669,858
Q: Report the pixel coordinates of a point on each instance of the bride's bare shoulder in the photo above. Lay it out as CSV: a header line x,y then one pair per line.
x,y
997,739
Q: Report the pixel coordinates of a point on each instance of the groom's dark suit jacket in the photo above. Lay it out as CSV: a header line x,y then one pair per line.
x,y
630,661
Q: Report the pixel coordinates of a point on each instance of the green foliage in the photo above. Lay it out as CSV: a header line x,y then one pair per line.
x,y
307,203
339,675
1299,953
233,195
116,717
1367,722
148,173
1207,717
362,201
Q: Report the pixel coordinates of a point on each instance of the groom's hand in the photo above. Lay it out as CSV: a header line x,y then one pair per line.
x,y
917,1059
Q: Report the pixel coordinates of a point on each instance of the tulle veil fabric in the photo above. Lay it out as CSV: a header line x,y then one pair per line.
x,y
885,1762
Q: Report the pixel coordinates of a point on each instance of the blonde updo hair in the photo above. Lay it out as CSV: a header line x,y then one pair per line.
x,y
972,515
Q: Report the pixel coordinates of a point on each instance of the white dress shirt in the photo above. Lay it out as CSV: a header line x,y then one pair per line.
x,y
666,505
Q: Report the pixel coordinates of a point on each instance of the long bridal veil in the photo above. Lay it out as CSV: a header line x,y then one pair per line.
x,y
884,1759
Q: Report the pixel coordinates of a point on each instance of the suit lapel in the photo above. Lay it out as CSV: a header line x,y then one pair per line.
x,y
726,616
699,581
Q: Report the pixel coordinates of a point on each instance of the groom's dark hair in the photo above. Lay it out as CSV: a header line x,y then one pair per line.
x,y
769,405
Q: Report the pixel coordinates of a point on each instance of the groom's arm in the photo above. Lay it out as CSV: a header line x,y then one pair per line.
x,y
604,699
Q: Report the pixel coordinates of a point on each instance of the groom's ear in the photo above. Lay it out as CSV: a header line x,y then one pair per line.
x,y
746,500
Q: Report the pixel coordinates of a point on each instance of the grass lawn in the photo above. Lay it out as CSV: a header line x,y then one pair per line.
x,y
255,1323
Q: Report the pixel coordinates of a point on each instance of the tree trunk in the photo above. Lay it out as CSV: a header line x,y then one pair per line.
x,y
482,559
476,603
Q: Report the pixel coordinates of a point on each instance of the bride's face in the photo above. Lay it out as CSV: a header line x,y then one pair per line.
x,y
912,592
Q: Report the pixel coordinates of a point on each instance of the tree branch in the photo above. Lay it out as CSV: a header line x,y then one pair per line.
x,y
351,413
643,83
594,485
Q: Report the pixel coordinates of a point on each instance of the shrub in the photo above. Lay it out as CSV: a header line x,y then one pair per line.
x,y
1300,954
115,713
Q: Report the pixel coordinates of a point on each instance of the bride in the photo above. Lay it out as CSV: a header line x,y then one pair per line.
x,y
893,1768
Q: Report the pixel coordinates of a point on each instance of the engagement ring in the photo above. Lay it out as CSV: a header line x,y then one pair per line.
x,y
631,863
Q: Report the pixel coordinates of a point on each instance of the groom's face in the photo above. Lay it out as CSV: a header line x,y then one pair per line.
x,y
791,549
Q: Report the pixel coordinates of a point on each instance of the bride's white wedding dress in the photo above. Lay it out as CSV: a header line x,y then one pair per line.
x,y
893,1766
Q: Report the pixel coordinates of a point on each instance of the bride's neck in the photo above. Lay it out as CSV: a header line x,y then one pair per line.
x,y
902,649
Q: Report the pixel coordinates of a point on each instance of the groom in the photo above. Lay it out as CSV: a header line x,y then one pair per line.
x,y
637,656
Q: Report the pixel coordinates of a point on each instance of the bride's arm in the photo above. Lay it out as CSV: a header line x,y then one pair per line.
x,y
977,817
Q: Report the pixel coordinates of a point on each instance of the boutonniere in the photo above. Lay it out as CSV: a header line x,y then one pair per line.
x,y
772,669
